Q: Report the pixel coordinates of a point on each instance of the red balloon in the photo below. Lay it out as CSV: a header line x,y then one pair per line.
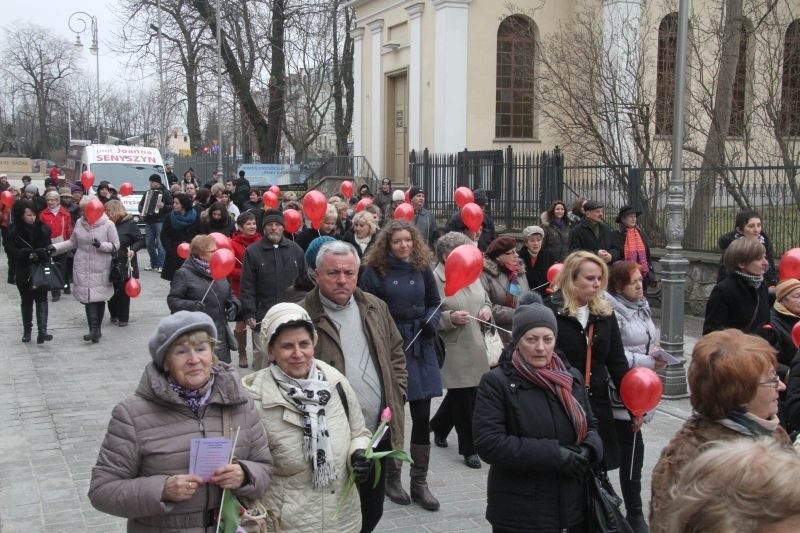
x,y
314,207
463,196
7,199
275,190
790,265
554,271
94,210
132,287
404,212
223,241
796,334
364,202
222,263
125,189
347,189
271,199
184,249
87,179
641,390
471,214
463,266
293,220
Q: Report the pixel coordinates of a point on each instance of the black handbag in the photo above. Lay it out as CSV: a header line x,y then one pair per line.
x,y
441,351
603,514
46,276
120,267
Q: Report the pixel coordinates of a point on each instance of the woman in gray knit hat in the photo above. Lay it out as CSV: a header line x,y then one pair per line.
x,y
533,425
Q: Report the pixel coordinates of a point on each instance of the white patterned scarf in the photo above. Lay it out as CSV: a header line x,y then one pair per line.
x,y
310,396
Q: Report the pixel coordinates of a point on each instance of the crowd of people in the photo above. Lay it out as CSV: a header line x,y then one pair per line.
x,y
353,317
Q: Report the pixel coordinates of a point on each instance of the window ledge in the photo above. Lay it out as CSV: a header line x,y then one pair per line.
x,y
517,140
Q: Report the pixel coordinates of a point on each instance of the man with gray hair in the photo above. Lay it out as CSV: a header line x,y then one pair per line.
x,y
358,337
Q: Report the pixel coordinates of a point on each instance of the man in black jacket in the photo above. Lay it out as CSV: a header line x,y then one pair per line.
x,y
269,268
592,234
152,206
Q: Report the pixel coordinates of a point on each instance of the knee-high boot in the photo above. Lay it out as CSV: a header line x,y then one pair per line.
x,y
421,455
241,340
27,319
93,318
394,486
41,321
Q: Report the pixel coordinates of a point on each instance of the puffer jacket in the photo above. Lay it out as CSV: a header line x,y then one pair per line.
x,y
149,439
466,352
495,283
91,266
188,287
682,449
267,272
299,506
60,223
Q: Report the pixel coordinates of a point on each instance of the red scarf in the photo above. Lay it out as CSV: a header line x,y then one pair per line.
x,y
635,249
558,381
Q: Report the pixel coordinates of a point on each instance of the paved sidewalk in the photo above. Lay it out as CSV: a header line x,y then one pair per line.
x,y
56,400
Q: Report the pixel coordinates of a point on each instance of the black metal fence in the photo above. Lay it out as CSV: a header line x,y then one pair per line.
x,y
521,186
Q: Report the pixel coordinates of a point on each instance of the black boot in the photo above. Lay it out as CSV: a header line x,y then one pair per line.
x,y
91,319
27,320
421,455
41,322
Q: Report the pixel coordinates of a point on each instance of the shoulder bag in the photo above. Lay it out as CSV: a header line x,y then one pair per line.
x,y
120,267
603,513
494,345
46,277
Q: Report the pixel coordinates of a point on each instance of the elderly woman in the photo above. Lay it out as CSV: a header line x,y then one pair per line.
x,y
589,332
504,280
784,315
193,289
93,244
398,272
179,226
741,299
749,225
734,394
142,471
626,295
131,241
466,353
59,220
362,233
315,426
739,485
534,426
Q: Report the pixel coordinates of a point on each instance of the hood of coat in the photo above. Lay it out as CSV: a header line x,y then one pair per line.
x,y
493,268
227,391
262,388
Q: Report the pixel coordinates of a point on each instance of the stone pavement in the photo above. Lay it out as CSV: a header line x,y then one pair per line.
x,y
56,399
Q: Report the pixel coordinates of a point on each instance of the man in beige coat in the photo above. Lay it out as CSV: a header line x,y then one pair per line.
x,y
370,355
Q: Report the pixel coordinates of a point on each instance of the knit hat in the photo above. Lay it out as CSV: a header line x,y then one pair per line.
x,y
313,250
532,230
413,191
531,313
173,326
785,288
76,187
155,177
481,198
33,189
273,215
281,313
500,246
65,192
398,196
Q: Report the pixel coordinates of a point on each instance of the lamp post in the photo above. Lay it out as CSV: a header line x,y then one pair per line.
x,y
79,22
219,94
162,135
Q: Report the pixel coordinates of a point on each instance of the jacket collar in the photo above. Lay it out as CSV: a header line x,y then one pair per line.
x,y
154,387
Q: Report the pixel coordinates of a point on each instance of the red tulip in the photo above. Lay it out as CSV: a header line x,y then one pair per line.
x,y
462,268
386,414
463,196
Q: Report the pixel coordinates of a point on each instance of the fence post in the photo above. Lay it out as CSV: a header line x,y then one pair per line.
x,y
635,188
412,165
426,170
508,207
462,164
546,180
558,192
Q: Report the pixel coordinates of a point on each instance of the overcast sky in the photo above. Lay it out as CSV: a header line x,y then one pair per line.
x,y
54,15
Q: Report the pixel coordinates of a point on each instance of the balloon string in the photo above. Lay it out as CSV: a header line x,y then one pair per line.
x,y
540,286
203,299
420,329
489,324
633,452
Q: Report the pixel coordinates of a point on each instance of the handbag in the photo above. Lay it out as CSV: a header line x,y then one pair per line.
x,y
494,346
120,267
441,351
603,512
46,277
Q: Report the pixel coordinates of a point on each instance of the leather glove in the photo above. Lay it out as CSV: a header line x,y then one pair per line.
x,y
587,453
361,465
33,257
573,463
50,249
428,329
199,306
95,243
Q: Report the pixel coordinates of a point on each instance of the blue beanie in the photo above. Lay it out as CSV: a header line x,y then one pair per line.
x,y
313,250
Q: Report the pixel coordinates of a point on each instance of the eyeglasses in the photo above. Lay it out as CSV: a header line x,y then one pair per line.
x,y
773,382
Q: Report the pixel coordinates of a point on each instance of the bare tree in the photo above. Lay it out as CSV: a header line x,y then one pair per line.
x,y
342,18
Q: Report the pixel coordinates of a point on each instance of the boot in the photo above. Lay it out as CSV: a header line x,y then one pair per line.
x,y
27,321
394,487
421,455
93,318
635,519
41,323
241,340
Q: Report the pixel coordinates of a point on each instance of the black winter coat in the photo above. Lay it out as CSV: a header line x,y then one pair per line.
x,y
24,240
791,407
519,429
725,240
267,273
608,362
735,304
536,273
171,237
782,325
130,238
582,237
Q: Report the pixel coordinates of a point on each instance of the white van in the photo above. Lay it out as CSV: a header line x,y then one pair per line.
x,y
117,165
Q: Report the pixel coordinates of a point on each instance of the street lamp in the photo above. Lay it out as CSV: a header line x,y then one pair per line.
x,y
79,22
219,92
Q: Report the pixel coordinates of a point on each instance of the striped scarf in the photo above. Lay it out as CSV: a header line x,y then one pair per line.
x,y
635,249
558,381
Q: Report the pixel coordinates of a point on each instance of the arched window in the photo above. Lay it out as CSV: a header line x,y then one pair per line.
x,y
790,89
514,109
665,73
736,126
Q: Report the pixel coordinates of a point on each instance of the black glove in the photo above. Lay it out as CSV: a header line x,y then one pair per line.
x,y
50,249
95,243
33,257
199,306
361,465
428,329
573,464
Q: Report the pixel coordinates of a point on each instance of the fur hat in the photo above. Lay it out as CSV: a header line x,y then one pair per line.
x,y
273,215
281,313
500,246
785,288
173,326
531,313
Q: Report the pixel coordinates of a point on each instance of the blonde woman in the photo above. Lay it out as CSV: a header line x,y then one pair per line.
x,y
362,234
